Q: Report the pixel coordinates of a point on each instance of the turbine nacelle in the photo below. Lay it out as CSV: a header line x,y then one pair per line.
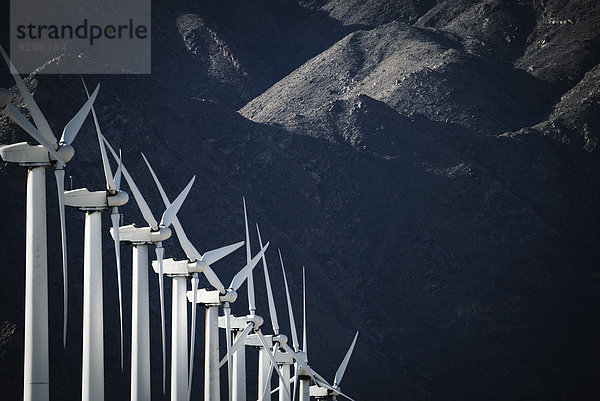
x,y
143,235
241,322
321,392
203,296
25,154
252,340
84,199
210,297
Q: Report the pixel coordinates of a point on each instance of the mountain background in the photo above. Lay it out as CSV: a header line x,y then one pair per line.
x,y
433,164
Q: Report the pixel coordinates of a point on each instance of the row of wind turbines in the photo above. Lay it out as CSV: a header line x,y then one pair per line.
x,y
241,332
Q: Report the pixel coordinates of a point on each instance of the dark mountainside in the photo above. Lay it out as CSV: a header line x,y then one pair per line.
x,y
433,164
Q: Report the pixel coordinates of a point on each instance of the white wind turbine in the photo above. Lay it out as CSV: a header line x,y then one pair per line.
x,y
304,378
113,186
238,324
36,158
212,299
155,233
328,393
303,370
268,345
283,358
140,238
181,380
93,204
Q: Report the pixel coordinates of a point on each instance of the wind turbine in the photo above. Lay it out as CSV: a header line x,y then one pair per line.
x,y
324,393
93,204
303,370
212,299
237,324
155,233
113,186
180,270
268,345
36,158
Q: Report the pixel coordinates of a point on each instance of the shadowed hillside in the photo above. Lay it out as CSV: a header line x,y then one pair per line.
x,y
433,164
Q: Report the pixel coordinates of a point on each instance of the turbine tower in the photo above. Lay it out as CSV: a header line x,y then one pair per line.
x,y
37,158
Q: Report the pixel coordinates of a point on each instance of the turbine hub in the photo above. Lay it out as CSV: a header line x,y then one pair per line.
x,y
66,152
5,97
163,233
256,320
118,199
197,267
281,339
229,296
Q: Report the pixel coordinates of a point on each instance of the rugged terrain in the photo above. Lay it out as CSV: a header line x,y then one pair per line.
x,y
433,164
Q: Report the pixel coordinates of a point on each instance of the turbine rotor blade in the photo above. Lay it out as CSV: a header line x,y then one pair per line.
x,y
141,202
289,304
251,300
295,379
119,172
215,255
213,279
304,338
238,343
72,128
267,385
110,182
159,257
114,216
272,310
171,211
190,251
262,340
39,119
315,376
193,334
227,310
59,174
342,369
24,123
241,276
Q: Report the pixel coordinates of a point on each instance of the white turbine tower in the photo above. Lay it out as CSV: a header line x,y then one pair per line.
x,y
155,233
36,158
181,380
